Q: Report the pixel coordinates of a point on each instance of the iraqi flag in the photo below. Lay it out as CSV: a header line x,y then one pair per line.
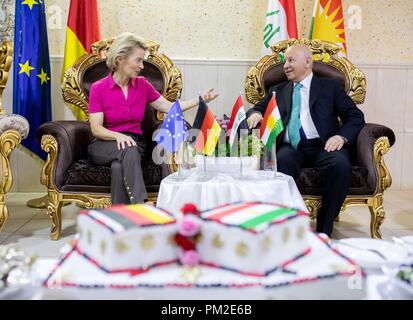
x,y
209,130
280,23
237,121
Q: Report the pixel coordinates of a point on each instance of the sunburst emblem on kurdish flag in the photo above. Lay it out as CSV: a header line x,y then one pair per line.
x,y
328,23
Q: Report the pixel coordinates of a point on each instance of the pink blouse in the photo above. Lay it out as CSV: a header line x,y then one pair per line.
x,y
120,114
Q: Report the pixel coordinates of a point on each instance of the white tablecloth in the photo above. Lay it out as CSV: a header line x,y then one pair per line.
x,y
220,188
321,274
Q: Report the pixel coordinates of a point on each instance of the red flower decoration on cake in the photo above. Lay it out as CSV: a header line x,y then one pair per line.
x,y
190,208
188,230
185,243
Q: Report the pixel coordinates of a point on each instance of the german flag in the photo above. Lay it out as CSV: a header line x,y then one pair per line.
x,y
207,137
83,29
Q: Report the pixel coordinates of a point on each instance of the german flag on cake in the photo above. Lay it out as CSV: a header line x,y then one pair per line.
x,y
209,129
121,217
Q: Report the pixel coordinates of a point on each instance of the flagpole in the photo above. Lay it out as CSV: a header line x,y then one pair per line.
x,y
182,158
203,154
180,165
204,164
274,145
240,149
240,161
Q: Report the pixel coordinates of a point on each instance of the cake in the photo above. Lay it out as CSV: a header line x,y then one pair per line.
x,y
253,238
249,238
127,238
322,274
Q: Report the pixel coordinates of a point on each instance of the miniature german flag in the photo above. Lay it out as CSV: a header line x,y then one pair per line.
x,y
209,129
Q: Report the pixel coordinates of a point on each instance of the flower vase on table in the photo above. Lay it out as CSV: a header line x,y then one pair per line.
x,y
242,156
184,160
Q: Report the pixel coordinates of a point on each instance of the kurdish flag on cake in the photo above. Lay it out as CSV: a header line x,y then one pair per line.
x,y
272,124
253,216
253,238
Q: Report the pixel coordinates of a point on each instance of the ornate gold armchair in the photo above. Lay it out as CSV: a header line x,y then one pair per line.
x,y
370,176
13,128
67,173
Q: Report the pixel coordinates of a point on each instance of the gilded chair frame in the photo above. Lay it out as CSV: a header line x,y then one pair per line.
x,y
10,138
73,93
6,59
355,86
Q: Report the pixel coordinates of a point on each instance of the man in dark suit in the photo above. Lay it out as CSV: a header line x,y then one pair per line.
x,y
310,107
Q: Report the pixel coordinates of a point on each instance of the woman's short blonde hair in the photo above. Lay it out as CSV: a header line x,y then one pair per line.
x,y
122,46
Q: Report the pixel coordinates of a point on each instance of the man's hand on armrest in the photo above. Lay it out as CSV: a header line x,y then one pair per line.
x,y
254,119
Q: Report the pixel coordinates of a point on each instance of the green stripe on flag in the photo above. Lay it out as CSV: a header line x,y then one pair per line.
x,y
310,35
267,217
279,127
271,139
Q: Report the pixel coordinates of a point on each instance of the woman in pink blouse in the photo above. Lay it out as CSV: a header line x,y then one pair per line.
x,y
117,105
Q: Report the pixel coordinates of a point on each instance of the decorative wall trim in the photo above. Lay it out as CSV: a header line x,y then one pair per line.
x,y
6,20
251,62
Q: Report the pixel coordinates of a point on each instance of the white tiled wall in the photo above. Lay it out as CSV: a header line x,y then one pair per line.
x,y
389,101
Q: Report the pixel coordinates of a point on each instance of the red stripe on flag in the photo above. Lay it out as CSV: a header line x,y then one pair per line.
x,y
84,21
270,107
131,215
289,8
235,108
333,6
227,212
202,137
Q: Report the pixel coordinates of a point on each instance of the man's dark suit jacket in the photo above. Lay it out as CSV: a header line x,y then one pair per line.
x,y
328,101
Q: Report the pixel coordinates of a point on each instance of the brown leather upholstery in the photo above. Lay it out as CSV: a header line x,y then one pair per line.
x,y
370,176
275,74
364,176
74,172
365,145
68,174
99,70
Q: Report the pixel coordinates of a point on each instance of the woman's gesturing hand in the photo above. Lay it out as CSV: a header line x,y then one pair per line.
x,y
124,141
209,95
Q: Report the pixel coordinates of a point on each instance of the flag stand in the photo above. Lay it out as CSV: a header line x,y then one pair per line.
x,y
240,156
183,149
205,166
270,159
180,163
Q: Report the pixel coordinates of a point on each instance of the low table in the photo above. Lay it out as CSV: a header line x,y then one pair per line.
x,y
220,188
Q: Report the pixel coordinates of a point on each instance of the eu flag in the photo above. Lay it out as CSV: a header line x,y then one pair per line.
x,y
31,69
173,130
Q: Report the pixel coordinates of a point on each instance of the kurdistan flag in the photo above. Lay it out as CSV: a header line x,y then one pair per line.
x,y
328,23
280,23
272,124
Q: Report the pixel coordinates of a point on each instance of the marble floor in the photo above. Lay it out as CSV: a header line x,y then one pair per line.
x,y
30,228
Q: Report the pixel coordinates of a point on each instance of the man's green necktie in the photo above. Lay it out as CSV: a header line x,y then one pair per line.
x,y
294,124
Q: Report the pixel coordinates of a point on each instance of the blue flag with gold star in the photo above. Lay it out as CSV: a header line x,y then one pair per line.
x,y
173,130
31,69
